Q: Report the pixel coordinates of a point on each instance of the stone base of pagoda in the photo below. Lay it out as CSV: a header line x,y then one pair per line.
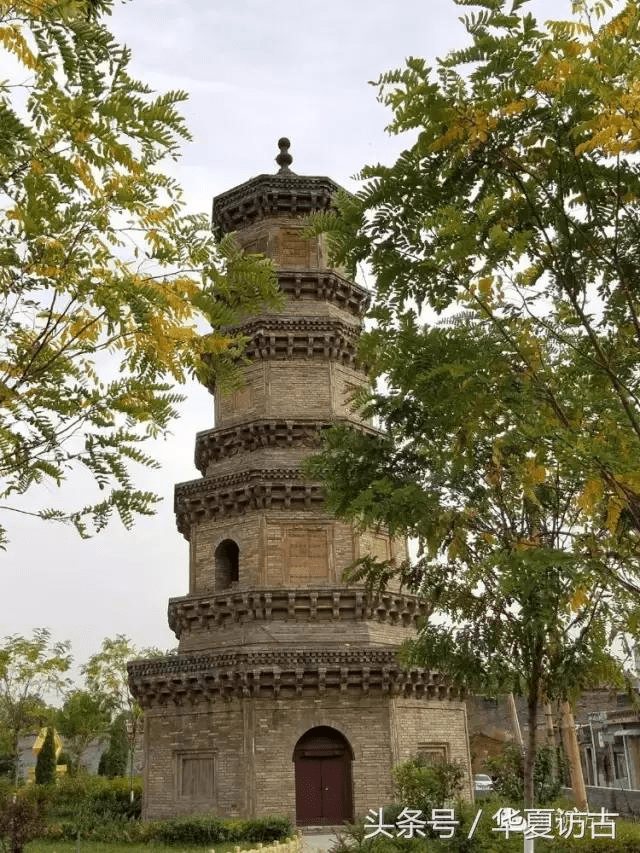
x,y
316,757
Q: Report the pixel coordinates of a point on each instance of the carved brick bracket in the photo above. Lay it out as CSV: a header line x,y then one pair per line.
x,y
323,604
220,443
271,195
275,337
326,285
232,495
288,673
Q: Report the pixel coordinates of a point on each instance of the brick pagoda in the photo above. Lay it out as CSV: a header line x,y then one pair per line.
x,y
285,696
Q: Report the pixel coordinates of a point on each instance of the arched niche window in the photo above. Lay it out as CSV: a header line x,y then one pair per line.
x,y
227,559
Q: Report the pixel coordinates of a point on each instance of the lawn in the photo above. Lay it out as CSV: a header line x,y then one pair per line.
x,y
43,845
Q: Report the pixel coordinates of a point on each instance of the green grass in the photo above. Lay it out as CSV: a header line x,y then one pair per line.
x,y
43,845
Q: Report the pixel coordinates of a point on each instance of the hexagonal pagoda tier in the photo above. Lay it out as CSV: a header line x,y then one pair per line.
x,y
285,696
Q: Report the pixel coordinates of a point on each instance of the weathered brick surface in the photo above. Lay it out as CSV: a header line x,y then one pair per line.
x,y
280,238
273,549
421,725
304,389
253,742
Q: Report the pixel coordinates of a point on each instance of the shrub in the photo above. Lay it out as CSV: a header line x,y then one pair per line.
x,y
507,770
22,815
425,786
94,807
627,840
548,780
187,830
205,829
486,840
272,828
352,838
46,763
107,832
391,812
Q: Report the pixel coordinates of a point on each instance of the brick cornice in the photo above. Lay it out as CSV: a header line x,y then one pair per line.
x,y
223,442
324,285
281,337
234,494
271,195
283,673
316,605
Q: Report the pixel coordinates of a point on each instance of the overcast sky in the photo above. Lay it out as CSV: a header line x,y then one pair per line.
x,y
255,71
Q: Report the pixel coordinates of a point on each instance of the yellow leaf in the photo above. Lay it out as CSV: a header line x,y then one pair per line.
x,y
549,87
16,43
579,598
590,495
485,284
614,508
45,270
514,108
534,472
451,135
84,172
158,215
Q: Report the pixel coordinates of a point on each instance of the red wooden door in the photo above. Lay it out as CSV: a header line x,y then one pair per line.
x,y
322,761
308,791
332,781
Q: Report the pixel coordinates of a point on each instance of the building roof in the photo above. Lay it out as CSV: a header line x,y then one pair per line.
x,y
283,193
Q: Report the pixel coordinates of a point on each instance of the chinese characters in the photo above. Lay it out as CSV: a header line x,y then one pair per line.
x,y
531,823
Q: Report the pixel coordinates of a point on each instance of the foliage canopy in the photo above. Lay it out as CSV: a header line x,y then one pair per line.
x,y
83,717
512,423
107,681
518,203
106,284
30,667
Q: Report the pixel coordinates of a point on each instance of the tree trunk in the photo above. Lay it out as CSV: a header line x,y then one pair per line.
x,y
530,751
515,722
16,757
533,697
573,757
551,738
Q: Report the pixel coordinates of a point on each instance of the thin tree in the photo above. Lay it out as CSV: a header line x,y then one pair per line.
x,y
113,761
514,604
82,718
30,667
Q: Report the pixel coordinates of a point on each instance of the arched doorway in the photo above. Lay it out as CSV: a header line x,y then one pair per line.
x,y
227,560
322,759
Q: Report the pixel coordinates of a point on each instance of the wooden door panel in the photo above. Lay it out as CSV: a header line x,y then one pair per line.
x,y
308,791
332,781
322,760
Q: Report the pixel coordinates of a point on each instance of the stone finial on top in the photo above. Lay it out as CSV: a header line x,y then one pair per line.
x,y
282,193
284,159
